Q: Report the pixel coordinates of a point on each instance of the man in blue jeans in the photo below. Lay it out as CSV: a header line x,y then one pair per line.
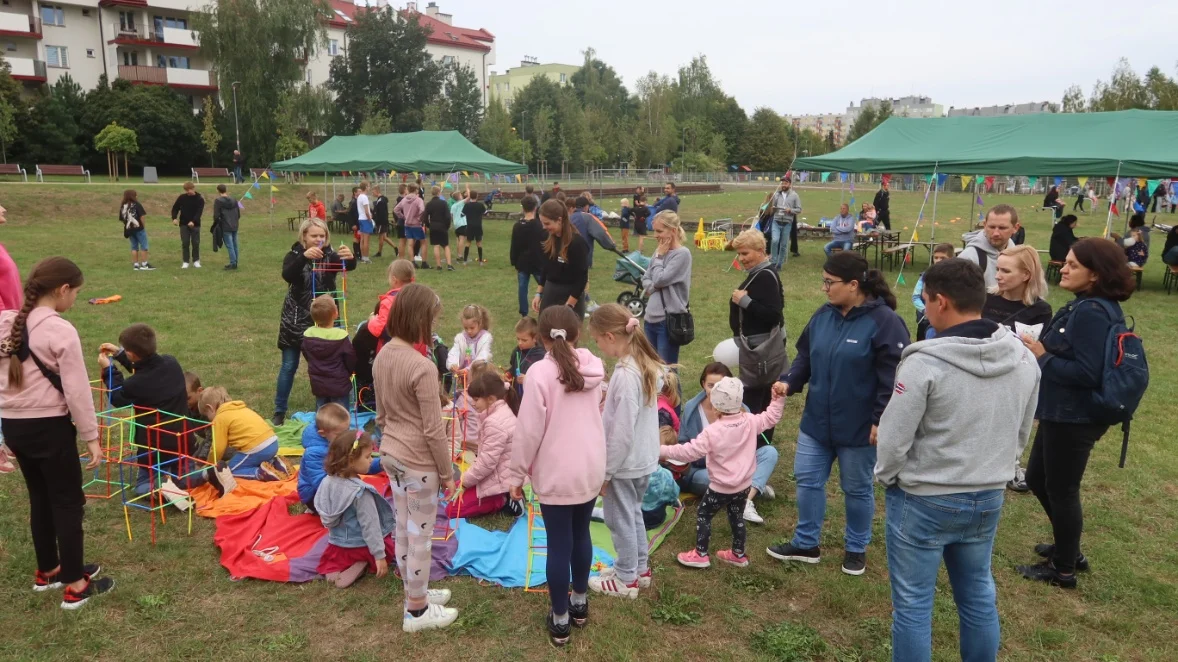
x,y
946,460
785,205
527,250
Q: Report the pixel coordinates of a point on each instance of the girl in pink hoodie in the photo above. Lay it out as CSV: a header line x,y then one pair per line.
x,y
485,483
45,397
730,446
560,443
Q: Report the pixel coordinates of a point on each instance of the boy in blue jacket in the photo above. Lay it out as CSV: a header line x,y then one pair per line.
x,y
330,420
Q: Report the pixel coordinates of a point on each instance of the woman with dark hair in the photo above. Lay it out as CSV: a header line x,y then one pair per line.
x,y
1071,355
1063,235
698,414
848,354
1052,201
565,262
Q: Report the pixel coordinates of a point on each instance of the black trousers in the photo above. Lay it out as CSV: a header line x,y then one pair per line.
x,y
1059,456
708,507
1079,203
570,551
793,237
190,238
47,451
885,219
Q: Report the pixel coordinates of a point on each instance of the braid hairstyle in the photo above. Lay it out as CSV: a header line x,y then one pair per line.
x,y
562,349
615,319
47,275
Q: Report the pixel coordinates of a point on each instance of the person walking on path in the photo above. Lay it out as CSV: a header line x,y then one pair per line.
x,y
186,213
883,199
227,216
667,283
238,166
785,207
945,461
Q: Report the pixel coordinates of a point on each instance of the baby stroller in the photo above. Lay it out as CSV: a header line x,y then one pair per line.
x,y
629,269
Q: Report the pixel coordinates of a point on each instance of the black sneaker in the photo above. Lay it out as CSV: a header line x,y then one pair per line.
x,y
1019,482
513,507
42,583
278,418
449,267
1047,551
787,552
72,599
146,266
855,563
558,635
579,616
1046,572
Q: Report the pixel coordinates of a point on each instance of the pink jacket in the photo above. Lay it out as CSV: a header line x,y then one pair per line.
x,y
11,291
491,472
730,446
559,438
56,343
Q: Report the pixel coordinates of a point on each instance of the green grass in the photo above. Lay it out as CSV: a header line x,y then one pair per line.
x,y
175,601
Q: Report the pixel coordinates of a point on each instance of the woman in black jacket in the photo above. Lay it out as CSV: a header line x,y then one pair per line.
x,y
1051,200
1071,356
564,262
1063,235
309,268
756,309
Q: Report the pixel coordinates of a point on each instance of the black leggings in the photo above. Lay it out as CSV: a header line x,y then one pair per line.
x,y
1079,203
1059,456
47,451
569,546
793,237
708,507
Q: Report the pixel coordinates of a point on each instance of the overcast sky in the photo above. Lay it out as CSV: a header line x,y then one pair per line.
x,y
816,57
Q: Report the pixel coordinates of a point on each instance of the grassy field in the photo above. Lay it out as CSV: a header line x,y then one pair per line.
x,y
174,600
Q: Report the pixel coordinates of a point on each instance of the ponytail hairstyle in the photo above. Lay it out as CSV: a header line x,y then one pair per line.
x,y
345,448
671,220
473,311
615,319
671,388
555,211
47,275
559,329
851,266
490,385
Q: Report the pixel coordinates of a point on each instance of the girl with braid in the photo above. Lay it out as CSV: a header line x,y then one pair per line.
x,y
45,397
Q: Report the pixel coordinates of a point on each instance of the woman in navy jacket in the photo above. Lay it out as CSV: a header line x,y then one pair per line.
x,y
1071,356
848,354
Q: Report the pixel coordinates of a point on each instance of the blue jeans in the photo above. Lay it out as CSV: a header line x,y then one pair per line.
x,y
231,246
812,464
286,376
845,245
656,333
922,531
245,465
1170,257
525,280
139,240
345,401
779,251
695,481
237,174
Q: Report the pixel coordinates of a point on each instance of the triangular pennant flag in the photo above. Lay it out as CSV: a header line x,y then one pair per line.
x,y
1110,180
1141,182
901,280
852,202
249,195
487,175
979,178
273,201
465,173
1058,181
273,189
989,182
1153,184
942,178
980,203
393,173
842,176
448,185
265,175
240,204
1082,180
915,236
1031,181
736,264
886,179
257,185
825,177
928,179
1113,208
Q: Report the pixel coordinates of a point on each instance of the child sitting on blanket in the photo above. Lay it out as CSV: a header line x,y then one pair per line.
x,y
486,482
730,446
331,420
359,520
463,412
238,427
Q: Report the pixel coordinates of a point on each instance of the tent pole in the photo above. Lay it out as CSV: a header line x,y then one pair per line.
x,y
325,196
936,192
842,187
973,201
1108,223
915,227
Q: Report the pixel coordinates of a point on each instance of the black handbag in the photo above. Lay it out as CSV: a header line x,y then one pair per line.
x,y
764,364
680,326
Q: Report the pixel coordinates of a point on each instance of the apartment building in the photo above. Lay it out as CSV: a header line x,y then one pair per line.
x,y
152,42
1031,108
823,125
504,86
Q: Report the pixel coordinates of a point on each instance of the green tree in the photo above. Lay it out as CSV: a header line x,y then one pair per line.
x,y
289,146
209,136
308,113
539,96
431,115
51,133
257,43
1123,91
13,109
656,132
386,63
496,134
376,121
767,142
1161,90
169,134
864,123
1073,100
463,107
116,140
8,130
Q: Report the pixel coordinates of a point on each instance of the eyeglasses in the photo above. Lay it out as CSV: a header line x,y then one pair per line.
x,y
826,283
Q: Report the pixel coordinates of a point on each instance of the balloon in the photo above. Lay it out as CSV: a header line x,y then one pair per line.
x,y
727,353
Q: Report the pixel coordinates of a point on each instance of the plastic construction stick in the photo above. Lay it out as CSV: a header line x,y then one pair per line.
x,y
533,548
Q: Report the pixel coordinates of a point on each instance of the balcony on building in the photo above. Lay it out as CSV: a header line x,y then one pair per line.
x,y
182,79
27,69
13,24
139,35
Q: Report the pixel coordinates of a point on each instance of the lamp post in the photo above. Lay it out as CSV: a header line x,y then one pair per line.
x,y
236,126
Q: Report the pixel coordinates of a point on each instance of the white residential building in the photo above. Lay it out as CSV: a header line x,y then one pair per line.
x,y
822,125
449,43
909,106
1031,108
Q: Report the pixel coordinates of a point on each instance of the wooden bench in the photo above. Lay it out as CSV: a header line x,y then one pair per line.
x,y
13,169
899,251
71,170
1170,278
503,215
257,173
210,172
1137,272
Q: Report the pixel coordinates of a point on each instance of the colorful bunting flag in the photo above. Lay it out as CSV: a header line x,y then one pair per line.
x,y
1153,184
915,236
901,280
886,179
487,175
249,195
825,177
1141,182
989,181
1082,180
448,185
465,173
240,204
273,188
736,264
842,176
1113,208
265,175
965,183
1110,180
1058,181
928,179
273,201
257,185
979,200
1032,180
942,178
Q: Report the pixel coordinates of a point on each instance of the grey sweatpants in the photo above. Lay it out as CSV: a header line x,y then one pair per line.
x,y
623,515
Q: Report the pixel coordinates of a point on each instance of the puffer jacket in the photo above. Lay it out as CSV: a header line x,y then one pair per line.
x,y
491,472
302,284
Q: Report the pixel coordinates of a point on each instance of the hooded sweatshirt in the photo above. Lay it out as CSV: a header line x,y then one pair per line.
x,y
491,472
226,213
311,469
238,427
559,439
631,422
331,360
355,514
730,446
961,412
979,245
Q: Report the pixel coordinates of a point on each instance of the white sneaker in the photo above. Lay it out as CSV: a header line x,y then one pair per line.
x,y
196,264
768,493
438,596
184,266
613,586
434,618
136,266
751,514
610,573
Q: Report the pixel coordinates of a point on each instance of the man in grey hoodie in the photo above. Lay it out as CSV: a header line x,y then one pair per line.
x,y
958,420
994,237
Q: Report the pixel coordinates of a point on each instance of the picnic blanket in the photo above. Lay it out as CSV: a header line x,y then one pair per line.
x,y
290,433
272,544
249,495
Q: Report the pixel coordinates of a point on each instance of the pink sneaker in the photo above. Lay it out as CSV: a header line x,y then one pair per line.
x,y
693,559
730,557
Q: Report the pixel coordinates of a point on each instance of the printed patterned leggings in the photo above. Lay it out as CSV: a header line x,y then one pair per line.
x,y
709,505
415,497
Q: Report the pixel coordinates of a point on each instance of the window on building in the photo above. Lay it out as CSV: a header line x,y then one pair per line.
x,y
51,15
562,78
90,52
332,47
172,61
10,47
56,56
447,59
131,59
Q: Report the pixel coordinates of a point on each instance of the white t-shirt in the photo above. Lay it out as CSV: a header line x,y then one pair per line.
x,y
363,208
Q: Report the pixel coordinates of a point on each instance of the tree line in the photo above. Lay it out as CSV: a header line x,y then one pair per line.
x,y
1124,90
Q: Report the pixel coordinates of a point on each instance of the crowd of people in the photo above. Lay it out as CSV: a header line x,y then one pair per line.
x,y
885,408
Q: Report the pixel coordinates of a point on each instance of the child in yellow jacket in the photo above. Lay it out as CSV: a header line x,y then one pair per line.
x,y
238,427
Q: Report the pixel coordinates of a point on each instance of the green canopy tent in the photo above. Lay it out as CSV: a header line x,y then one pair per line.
x,y
420,151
